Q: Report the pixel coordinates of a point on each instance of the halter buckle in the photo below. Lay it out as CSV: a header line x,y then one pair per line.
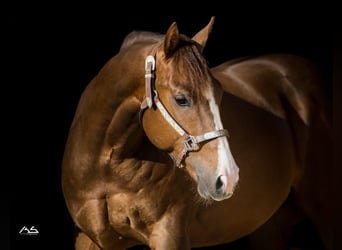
x,y
150,59
191,143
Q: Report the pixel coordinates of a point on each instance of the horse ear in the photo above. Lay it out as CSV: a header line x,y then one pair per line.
x,y
171,40
202,36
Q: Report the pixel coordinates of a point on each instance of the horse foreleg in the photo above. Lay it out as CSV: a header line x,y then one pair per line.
x,y
169,234
83,242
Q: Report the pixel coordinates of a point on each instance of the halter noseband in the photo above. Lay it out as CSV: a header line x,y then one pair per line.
x,y
191,142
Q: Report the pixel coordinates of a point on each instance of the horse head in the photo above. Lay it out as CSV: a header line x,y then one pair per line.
x,y
182,116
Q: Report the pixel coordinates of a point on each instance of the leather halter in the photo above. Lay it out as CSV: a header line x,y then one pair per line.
x,y
191,142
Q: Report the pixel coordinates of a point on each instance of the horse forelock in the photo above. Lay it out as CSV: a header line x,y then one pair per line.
x,y
190,68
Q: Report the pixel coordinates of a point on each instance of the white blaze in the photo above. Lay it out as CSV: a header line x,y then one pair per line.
x,y
225,161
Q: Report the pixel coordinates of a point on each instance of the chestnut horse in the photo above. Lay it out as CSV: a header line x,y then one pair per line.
x,y
149,160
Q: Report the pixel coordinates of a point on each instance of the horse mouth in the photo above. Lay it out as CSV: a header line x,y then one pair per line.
x,y
207,196
215,196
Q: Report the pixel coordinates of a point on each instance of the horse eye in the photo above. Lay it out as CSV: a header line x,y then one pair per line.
x,y
181,100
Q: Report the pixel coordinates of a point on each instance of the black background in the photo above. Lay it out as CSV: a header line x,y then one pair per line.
x,y
53,51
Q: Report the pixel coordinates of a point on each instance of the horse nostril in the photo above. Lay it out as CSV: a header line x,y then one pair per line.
x,y
220,183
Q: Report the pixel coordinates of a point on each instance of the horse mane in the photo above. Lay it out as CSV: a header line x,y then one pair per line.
x,y
140,36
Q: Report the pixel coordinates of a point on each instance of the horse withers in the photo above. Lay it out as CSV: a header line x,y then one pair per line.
x,y
149,159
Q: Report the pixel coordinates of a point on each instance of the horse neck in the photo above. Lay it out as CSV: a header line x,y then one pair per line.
x,y
125,138
106,118
121,85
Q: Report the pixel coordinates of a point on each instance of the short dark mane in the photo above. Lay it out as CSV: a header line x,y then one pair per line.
x,y
138,36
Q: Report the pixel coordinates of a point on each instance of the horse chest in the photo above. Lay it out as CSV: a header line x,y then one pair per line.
x,y
133,211
128,218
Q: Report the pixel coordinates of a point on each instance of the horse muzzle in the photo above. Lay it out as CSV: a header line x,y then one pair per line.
x,y
218,187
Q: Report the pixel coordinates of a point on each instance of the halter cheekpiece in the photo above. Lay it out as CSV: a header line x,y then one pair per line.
x,y
191,142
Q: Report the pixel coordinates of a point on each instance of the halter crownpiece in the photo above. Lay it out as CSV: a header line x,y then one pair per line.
x,y
191,143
